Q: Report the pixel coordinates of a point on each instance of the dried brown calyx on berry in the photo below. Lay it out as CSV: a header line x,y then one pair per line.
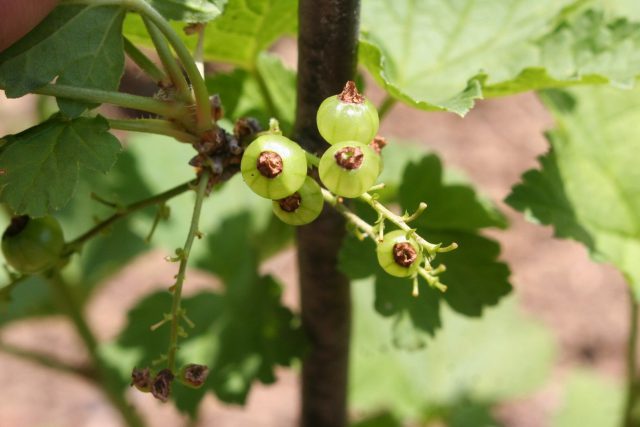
x,y
350,94
141,379
161,385
194,375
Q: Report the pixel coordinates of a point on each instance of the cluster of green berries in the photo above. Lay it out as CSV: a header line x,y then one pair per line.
x,y
275,167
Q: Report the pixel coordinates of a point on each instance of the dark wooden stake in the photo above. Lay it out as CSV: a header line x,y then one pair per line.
x,y
327,47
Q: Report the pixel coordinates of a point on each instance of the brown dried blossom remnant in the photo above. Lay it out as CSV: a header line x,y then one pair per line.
x,y
350,94
193,28
404,254
161,385
195,375
216,107
3,172
269,164
141,379
349,157
246,127
378,143
18,223
290,203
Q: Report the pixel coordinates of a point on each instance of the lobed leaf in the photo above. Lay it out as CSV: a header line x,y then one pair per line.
x,y
444,55
471,363
80,45
242,95
588,186
41,165
589,401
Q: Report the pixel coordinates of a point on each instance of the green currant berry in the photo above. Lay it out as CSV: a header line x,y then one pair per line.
x,y
301,207
348,116
32,245
399,256
274,166
349,168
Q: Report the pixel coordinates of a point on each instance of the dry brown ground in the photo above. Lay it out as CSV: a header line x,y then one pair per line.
x,y
582,303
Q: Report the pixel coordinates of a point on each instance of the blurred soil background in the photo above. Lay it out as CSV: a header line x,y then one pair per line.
x,y
582,303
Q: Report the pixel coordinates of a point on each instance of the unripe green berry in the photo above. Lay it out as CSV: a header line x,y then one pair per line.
x,y
349,168
348,116
301,207
398,255
32,245
274,166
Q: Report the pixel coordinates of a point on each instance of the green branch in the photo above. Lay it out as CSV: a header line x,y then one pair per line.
x,y
5,291
145,64
163,108
631,374
157,126
77,243
107,383
47,361
176,310
169,62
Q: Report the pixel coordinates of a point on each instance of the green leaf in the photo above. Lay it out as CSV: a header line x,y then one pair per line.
x,y
31,298
590,401
588,187
463,56
187,10
483,360
81,45
42,163
247,27
451,205
238,35
279,88
628,8
384,419
475,277
243,96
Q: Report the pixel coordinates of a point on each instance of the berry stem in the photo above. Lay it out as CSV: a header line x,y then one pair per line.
x,y
109,386
401,224
361,224
264,91
145,64
176,310
312,159
428,273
